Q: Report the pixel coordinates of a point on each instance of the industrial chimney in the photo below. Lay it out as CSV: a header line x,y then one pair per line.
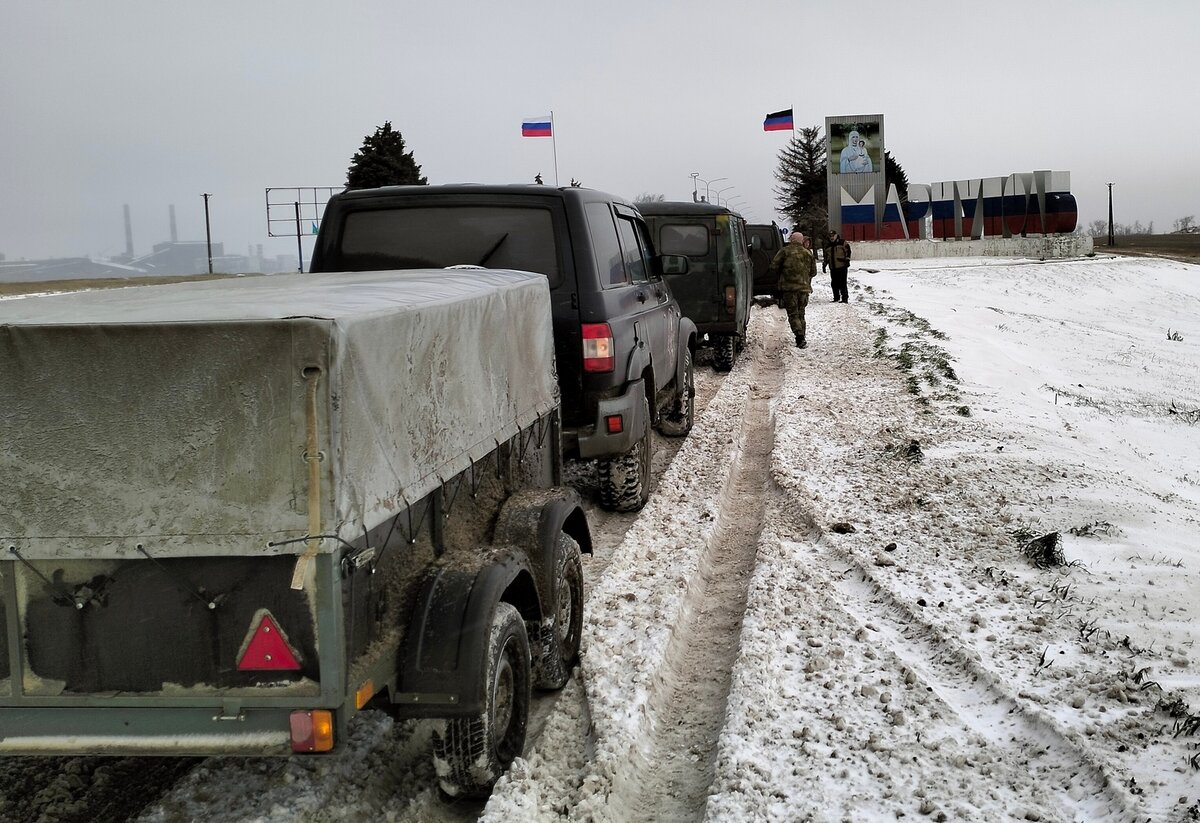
x,y
174,234
128,234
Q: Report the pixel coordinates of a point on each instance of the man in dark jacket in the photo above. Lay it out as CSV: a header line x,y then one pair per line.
x,y
837,261
796,268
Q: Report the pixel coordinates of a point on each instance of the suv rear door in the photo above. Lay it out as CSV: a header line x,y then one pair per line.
x,y
637,303
765,242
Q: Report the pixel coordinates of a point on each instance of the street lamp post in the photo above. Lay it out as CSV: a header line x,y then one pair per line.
x,y
727,188
695,188
208,232
1112,240
708,187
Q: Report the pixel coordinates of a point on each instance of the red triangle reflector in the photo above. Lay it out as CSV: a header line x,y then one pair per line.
x,y
266,647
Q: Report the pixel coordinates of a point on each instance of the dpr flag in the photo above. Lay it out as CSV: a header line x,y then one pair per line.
x,y
536,127
779,121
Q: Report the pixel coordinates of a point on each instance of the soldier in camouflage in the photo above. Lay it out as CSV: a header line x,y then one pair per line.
x,y
796,268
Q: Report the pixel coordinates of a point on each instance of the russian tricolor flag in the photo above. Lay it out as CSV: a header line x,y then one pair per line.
x,y
779,121
536,127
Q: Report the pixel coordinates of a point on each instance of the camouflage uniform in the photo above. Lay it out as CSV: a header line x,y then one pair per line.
x,y
796,267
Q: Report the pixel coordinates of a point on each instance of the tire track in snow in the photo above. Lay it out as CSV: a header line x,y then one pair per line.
x,y
670,779
633,611
1088,791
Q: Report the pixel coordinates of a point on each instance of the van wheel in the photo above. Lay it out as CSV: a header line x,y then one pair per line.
x,y
625,480
470,753
678,421
724,352
560,639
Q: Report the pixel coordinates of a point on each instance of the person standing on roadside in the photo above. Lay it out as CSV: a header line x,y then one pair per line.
x,y
837,261
796,267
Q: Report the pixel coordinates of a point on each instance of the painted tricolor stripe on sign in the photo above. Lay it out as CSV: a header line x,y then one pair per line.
x,y
536,127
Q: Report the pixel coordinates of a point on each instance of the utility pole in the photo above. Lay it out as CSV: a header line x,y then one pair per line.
x,y
1112,240
695,187
299,246
208,231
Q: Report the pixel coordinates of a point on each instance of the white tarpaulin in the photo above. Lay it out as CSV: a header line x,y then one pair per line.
x,y
175,416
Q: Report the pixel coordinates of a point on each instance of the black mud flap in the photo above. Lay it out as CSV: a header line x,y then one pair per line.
x,y
443,654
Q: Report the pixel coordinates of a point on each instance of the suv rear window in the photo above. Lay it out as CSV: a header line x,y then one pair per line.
x,y
418,237
761,237
681,238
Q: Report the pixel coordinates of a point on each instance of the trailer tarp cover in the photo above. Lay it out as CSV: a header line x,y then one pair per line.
x,y
175,416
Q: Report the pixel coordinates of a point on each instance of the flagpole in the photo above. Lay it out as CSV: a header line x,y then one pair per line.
x,y
554,146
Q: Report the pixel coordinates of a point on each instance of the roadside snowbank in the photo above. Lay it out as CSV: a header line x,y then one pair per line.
x,y
900,653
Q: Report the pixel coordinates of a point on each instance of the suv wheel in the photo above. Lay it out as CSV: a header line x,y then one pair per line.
x,y
724,352
625,480
679,418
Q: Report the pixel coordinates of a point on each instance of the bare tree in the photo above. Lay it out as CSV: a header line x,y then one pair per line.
x,y
1186,225
647,197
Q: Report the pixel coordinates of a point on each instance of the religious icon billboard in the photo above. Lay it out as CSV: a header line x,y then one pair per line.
x,y
855,148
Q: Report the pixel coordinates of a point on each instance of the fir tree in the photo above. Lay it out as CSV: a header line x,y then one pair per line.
x,y
382,161
895,176
801,192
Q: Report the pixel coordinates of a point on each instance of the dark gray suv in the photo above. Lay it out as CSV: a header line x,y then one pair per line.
x,y
623,349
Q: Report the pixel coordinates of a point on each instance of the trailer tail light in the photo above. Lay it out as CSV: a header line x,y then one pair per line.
x,y
731,299
312,731
265,647
615,423
598,355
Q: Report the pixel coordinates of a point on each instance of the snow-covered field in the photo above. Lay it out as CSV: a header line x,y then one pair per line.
x,y
841,602
900,654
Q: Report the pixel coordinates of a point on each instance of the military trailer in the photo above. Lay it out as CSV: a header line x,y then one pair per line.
x,y
715,288
235,513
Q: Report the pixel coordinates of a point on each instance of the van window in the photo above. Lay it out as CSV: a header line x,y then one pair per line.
x,y
605,248
681,238
418,237
727,231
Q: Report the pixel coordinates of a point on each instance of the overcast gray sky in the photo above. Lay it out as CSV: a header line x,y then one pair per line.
x,y
153,102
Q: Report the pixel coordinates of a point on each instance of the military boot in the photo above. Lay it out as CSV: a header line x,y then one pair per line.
x,y
801,342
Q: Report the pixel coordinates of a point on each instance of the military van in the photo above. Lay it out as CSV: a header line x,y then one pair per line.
x,y
717,286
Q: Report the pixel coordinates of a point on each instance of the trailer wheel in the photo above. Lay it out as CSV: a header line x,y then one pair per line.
x,y
470,753
560,640
625,480
724,352
678,420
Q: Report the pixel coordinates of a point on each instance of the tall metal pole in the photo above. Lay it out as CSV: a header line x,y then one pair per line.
x,y
1112,240
695,186
208,232
299,246
554,146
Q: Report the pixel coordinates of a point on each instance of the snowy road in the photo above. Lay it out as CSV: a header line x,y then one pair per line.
x,y
826,611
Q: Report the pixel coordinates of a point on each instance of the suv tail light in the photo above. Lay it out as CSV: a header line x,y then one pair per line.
x,y
598,354
731,299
